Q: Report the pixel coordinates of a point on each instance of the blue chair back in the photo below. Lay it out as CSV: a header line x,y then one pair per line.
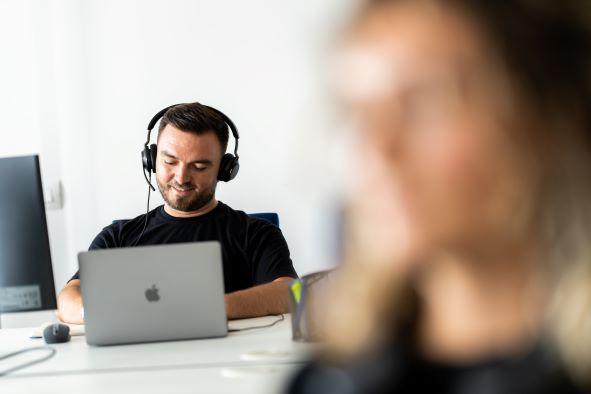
x,y
269,216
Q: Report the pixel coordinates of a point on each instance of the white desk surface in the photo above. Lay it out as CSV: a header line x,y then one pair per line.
x,y
219,365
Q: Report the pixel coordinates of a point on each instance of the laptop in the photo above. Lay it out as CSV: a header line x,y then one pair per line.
x,y
153,293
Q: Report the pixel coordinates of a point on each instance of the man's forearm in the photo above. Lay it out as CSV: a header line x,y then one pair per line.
x,y
268,299
69,304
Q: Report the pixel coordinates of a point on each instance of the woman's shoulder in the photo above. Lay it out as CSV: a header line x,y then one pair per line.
x,y
394,369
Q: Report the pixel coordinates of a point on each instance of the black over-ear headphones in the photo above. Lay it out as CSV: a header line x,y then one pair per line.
x,y
229,165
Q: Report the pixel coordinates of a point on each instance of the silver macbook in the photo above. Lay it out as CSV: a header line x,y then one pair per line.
x,y
153,293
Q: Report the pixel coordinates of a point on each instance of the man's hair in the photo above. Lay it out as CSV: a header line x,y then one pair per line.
x,y
196,118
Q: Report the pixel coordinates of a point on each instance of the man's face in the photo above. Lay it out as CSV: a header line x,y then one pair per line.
x,y
186,168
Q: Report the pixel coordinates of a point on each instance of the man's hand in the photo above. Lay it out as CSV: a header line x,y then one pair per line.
x,y
69,303
268,299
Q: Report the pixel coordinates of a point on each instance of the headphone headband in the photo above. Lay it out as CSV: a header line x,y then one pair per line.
x,y
229,164
224,117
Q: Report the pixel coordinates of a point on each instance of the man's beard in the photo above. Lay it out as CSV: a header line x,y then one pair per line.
x,y
192,202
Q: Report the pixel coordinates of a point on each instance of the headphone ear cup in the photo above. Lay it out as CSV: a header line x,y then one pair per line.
x,y
234,168
149,158
146,157
228,168
153,153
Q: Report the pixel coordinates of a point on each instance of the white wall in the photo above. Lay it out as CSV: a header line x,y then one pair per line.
x,y
81,79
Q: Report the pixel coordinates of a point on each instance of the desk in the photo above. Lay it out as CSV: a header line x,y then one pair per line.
x,y
219,365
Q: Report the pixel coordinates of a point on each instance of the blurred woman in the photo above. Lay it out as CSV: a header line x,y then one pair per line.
x,y
468,250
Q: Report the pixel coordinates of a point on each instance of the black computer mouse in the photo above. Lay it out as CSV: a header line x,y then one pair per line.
x,y
56,333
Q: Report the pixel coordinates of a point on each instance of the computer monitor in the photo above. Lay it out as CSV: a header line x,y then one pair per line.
x,y
26,275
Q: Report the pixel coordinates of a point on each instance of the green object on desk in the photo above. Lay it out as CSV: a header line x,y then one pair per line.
x,y
296,290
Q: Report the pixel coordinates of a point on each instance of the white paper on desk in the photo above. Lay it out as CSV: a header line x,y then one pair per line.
x,y
75,330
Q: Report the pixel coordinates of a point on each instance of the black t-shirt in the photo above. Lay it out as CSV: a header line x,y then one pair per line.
x,y
396,369
254,250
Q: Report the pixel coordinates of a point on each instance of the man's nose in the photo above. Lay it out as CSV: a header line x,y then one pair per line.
x,y
182,175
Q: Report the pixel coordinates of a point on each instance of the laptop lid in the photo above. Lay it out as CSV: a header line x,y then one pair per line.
x,y
153,293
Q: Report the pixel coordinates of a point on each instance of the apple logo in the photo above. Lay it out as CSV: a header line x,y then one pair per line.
x,y
152,294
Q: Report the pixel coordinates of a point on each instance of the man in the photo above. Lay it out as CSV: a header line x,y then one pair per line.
x,y
192,138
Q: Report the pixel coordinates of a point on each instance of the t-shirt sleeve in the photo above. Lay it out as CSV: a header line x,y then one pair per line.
x,y
104,240
269,253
